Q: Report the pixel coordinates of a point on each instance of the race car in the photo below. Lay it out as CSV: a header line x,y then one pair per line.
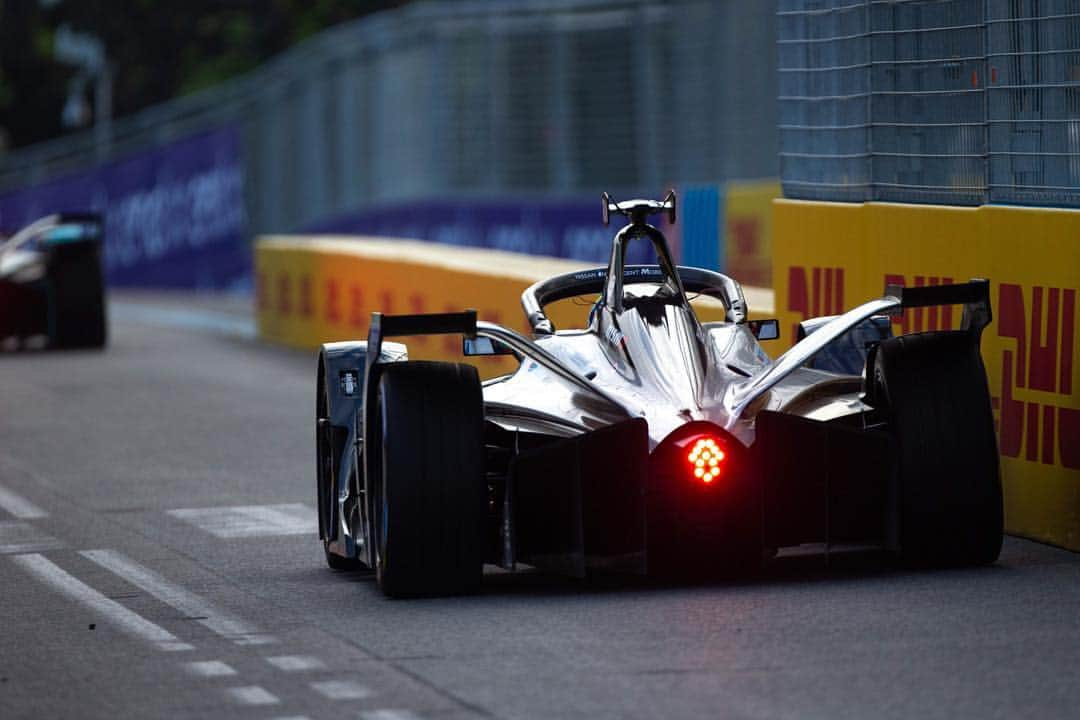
x,y
651,442
52,292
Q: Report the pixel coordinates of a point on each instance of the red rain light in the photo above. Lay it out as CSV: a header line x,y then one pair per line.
x,y
706,459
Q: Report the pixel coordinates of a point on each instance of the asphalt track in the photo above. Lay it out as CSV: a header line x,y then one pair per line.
x,y
158,559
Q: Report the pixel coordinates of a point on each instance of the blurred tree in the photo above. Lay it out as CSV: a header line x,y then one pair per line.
x,y
157,49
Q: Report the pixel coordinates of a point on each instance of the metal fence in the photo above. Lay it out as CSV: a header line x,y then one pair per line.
x,y
952,101
480,98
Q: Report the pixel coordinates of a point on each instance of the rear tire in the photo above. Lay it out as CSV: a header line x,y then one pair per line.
x,y
77,298
934,392
430,506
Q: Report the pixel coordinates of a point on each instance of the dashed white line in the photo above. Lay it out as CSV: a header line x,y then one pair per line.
x,y
340,689
20,537
19,506
252,695
128,621
388,714
247,521
210,668
177,597
296,663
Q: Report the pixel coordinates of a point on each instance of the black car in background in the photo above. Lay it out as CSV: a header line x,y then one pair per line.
x,y
52,290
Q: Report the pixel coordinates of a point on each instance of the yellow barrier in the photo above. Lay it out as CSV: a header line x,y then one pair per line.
x,y
748,230
317,289
828,257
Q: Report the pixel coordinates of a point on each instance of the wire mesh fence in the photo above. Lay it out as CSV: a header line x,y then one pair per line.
x,y
451,98
950,101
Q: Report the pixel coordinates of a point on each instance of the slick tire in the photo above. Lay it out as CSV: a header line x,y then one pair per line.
x,y
947,486
430,505
77,299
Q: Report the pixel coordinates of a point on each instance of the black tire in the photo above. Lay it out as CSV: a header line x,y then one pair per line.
x,y
77,298
933,389
430,505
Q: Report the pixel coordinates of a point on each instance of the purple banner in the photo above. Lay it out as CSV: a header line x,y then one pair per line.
x,y
557,228
174,215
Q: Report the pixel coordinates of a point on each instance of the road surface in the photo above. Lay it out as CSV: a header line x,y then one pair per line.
x,y
158,558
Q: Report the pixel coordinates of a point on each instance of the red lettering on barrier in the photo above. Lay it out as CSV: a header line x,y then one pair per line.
x,y
1043,362
1047,346
386,302
284,294
332,305
936,317
1010,324
416,307
1011,421
1068,324
307,300
357,317
1069,434
746,234
823,296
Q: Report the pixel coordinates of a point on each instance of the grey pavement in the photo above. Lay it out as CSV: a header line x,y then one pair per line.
x,y
158,559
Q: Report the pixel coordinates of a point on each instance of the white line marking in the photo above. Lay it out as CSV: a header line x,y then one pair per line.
x,y
245,521
20,537
187,602
340,689
130,622
252,695
388,715
296,663
209,668
292,717
19,506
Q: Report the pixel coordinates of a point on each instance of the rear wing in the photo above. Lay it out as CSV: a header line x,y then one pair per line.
x,y
384,326
974,295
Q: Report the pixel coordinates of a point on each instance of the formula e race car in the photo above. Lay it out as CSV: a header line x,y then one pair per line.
x,y
649,441
51,287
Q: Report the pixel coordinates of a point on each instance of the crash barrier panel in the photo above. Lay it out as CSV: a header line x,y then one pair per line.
x,y
829,257
728,227
310,290
174,214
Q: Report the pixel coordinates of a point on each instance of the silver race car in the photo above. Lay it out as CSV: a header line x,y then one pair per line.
x,y
650,442
52,293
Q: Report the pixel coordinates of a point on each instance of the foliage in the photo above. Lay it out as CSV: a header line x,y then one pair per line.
x,y
157,49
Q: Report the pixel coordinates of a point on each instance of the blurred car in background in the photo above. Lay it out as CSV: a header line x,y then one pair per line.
x,y
52,290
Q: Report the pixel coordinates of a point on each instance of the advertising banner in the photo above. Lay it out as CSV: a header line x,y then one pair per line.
x,y
829,257
174,215
569,229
